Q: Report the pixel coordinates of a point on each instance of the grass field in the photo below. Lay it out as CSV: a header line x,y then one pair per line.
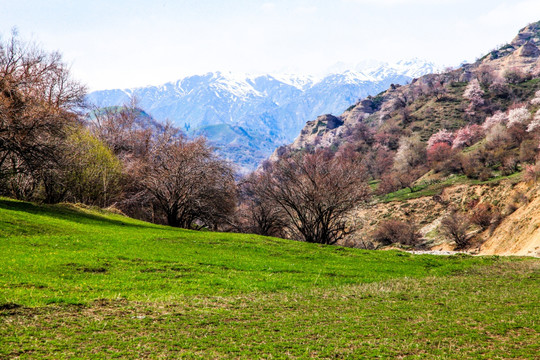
x,y
82,283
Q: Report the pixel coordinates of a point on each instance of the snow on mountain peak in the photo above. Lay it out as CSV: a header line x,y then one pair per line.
x,y
246,116
236,84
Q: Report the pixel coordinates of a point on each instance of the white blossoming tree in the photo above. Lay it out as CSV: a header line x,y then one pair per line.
x,y
474,92
498,118
517,116
536,99
535,123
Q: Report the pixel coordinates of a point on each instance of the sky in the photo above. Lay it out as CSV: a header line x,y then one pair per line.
x,y
132,43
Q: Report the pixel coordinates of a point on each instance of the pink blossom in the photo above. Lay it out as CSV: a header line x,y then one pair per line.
x,y
442,136
467,136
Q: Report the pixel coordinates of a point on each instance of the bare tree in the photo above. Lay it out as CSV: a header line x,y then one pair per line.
x,y
316,192
37,100
395,231
131,134
189,183
455,226
257,213
434,84
126,129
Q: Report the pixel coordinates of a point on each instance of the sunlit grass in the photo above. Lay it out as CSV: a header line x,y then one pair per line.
x,y
85,283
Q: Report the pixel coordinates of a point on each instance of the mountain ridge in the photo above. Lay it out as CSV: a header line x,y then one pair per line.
x,y
270,109
521,55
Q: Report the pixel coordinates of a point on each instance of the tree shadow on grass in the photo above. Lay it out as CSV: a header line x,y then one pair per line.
x,y
66,212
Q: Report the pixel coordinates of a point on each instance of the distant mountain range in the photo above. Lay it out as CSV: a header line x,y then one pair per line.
x,y
247,117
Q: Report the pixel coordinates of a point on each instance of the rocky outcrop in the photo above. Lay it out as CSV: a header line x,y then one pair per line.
x,y
529,50
520,54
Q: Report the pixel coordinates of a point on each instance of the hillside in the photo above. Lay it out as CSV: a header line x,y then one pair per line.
x,y
431,108
256,114
517,233
56,247
93,284
449,140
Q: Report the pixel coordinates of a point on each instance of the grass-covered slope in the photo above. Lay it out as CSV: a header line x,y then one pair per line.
x,y
88,284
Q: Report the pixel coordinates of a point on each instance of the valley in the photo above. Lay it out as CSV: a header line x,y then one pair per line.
x,y
246,117
382,210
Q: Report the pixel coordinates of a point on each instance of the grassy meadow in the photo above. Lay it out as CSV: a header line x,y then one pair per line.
x,y
84,283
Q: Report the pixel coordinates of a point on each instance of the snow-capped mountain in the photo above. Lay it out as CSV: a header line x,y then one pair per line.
x,y
246,117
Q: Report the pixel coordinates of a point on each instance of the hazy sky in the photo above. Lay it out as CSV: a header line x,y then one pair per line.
x,y
127,43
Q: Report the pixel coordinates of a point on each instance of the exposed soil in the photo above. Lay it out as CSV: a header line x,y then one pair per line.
x,y
517,234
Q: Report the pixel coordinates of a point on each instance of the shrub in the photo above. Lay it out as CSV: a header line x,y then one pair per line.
x,y
532,173
510,208
473,168
483,215
397,232
509,165
388,184
455,226
485,174
439,152
442,158
515,76
520,198
500,89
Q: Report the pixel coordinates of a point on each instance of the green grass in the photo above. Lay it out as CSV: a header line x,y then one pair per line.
x,y
84,283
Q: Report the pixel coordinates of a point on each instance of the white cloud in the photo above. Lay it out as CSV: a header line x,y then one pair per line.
x,y
306,9
403,2
268,6
515,13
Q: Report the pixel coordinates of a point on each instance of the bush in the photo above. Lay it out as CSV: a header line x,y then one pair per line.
x,y
515,76
438,153
483,215
397,232
388,184
455,226
532,172
527,151
510,208
509,165
473,167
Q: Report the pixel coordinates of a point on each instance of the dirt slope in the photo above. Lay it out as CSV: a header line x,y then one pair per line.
x,y
517,234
